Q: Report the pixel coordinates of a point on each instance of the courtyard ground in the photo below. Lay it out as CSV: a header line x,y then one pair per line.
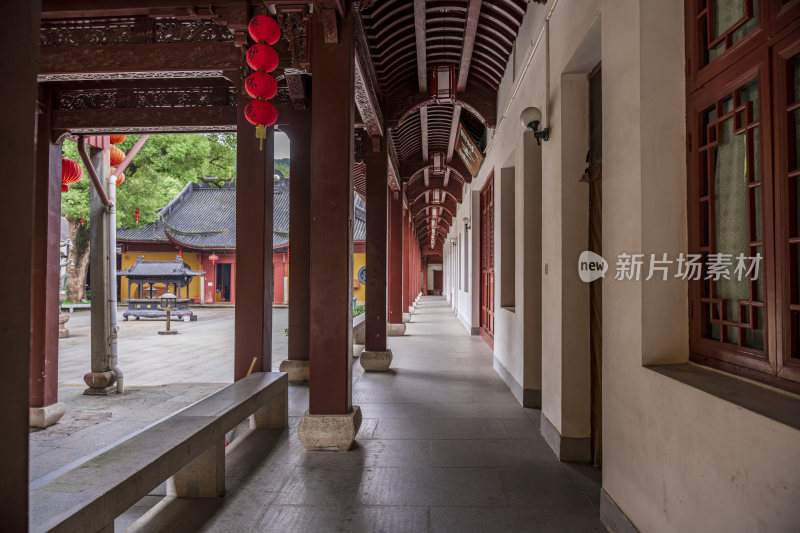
x,y
163,374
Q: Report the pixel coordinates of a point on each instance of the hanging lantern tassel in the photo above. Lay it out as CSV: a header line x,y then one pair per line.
x,y
262,114
261,134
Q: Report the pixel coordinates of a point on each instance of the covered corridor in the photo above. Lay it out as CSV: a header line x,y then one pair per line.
x,y
549,167
443,446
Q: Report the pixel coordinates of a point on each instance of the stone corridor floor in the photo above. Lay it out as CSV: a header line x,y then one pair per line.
x,y
443,446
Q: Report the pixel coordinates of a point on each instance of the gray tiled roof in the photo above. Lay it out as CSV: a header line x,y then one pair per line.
x,y
203,217
154,269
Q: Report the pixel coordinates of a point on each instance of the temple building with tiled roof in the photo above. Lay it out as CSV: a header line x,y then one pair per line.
x,y
201,222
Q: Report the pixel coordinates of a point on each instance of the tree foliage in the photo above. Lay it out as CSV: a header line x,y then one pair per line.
x,y
282,165
164,165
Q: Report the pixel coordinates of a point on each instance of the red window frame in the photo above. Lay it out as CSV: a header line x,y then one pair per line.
x,y
762,56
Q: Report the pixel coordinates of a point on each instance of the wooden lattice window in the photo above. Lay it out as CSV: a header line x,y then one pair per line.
x,y
786,62
743,188
721,32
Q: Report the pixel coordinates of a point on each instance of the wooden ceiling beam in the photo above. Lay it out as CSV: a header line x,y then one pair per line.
x,y
468,43
422,49
476,99
111,59
156,119
451,143
423,126
367,94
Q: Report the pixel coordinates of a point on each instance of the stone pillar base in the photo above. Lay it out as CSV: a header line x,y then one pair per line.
x,y
42,417
63,332
406,317
376,361
411,309
297,370
395,330
100,383
329,432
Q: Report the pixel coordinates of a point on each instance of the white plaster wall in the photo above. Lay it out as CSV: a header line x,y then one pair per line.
x,y
675,458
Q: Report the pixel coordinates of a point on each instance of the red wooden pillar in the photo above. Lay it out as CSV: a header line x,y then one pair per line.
x,y
20,33
254,197
377,204
45,271
331,285
299,233
395,258
406,239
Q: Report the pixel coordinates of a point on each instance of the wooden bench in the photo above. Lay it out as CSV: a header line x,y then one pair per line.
x,y
187,450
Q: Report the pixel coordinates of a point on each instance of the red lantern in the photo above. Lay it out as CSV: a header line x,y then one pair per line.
x,y
117,156
261,85
116,139
180,254
120,178
82,221
261,113
264,29
213,258
262,57
136,215
71,172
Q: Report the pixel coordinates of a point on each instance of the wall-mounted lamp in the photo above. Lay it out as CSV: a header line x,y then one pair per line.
x,y
531,119
466,222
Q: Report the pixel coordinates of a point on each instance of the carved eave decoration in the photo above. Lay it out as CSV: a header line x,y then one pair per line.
x,y
295,23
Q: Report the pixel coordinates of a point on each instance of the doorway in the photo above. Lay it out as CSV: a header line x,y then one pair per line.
x,y
487,261
223,292
593,176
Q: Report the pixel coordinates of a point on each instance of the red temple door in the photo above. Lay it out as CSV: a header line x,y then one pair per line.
x,y
487,261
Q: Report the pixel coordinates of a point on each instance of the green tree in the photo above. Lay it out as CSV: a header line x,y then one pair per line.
x,y
283,166
163,166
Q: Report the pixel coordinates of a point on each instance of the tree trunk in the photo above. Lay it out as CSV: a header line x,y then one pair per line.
x,y
78,264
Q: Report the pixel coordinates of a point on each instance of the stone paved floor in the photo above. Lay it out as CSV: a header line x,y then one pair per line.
x,y
443,447
201,353
163,375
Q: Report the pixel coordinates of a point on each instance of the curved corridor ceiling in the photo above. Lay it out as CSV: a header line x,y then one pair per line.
x,y
406,39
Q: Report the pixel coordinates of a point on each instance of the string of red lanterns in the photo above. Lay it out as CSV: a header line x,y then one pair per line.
x,y
120,178
116,155
260,86
136,215
71,172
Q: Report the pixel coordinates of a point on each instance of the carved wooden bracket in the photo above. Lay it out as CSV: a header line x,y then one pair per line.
x,y
330,26
296,83
295,23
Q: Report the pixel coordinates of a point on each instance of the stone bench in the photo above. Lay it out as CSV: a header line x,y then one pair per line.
x,y
187,450
72,307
